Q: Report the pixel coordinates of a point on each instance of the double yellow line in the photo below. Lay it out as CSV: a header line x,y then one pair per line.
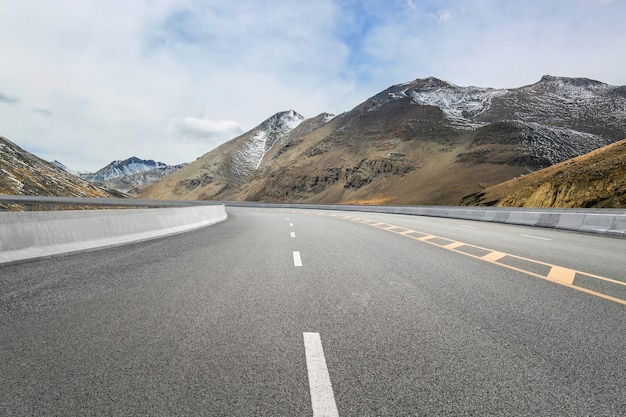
x,y
559,275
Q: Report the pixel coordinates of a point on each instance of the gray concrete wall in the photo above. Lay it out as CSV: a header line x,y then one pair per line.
x,y
29,235
611,222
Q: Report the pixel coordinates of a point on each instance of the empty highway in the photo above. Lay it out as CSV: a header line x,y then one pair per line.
x,y
281,312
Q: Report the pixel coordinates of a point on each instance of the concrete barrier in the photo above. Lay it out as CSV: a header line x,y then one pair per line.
x,y
30,235
618,228
610,222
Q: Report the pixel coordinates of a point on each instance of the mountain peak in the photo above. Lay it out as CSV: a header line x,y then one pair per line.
x,y
257,142
561,81
430,83
281,121
130,166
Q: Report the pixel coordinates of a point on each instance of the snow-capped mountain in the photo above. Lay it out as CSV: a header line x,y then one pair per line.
x,y
553,101
460,104
125,168
561,117
129,174
426,141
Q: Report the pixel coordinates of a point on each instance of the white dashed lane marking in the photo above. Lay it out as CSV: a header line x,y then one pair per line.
x,y
322,396
297,260
535,237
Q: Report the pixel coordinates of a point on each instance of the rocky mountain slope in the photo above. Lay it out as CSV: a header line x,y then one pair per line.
x,y
22,173
596,179
232,162
422,142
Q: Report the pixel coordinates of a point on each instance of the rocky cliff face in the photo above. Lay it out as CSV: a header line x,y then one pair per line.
x,y
423,142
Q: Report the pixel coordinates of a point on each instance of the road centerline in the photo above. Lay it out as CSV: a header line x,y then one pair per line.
x,y
535,237
297,260
322,396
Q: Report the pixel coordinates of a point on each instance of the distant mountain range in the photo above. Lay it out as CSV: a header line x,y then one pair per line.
x,y
423,142
128,176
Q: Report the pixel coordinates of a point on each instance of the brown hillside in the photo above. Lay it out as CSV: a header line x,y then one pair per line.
x,y
22,173
401,153
596,179
424,142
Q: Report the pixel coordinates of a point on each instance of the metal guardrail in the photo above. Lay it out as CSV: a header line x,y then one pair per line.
x,y
52,203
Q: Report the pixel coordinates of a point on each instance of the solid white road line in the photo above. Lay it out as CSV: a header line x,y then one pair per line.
x,y
293,234
297,261
536,237
467,226
322,397
290,224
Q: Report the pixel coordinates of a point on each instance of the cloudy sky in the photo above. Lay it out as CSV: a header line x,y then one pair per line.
x,y
86,82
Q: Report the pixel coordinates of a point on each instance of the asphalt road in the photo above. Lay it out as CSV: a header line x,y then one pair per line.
x,y
283,312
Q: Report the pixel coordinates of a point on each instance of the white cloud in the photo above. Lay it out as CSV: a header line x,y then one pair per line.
x,y
121,78
205,128
442,15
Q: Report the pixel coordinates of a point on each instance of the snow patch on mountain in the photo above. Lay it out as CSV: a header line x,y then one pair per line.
x,y
563,102
250,154
328,117
557,144
255,148
553,101
459,104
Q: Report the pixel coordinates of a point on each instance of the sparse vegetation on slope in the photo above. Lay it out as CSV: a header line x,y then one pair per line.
x,y
423,142
597,179
22,173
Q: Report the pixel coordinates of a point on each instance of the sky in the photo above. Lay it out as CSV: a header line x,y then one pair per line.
x,y
86,82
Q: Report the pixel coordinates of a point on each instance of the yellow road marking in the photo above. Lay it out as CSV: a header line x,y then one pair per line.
x,y
392,227
557,274
493,257
562,275
379,225
454,245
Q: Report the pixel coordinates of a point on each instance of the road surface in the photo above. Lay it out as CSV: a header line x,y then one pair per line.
x,y
280,312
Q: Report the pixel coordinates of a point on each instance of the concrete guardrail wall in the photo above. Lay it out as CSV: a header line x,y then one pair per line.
x,y
30,235
610,222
